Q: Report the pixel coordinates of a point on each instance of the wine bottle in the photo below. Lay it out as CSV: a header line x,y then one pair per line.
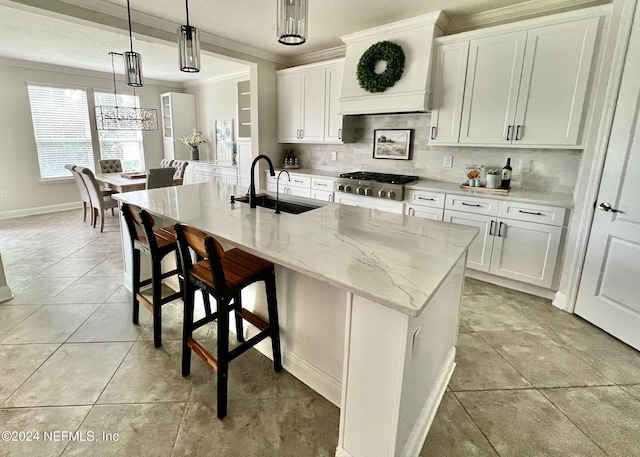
x,y
506,175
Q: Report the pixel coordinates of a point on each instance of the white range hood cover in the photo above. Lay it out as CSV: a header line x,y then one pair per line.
x,y
411,93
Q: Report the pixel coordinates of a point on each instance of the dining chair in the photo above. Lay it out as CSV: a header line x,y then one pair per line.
x,y
164,163
99,201
84,193
110,166
181,167
160,177
223,274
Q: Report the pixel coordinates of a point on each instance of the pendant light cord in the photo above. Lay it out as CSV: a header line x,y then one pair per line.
x,y
130,34
113,72
187,8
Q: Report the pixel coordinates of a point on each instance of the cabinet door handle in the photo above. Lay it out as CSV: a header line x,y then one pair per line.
x,y
530,212
298,134
500,228
469,204
301,133
331,198
518,128
493,223
433,133
509,129
411,210
339,134
428,199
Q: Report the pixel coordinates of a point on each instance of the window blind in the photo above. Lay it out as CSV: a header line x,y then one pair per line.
x,y
61,127
125,145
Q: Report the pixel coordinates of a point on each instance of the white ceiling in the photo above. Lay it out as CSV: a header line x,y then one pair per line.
x,y
80,33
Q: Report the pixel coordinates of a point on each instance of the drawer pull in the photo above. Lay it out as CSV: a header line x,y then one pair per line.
x,y
530,212
470,204
298,181
428,199
491,227
500,228
321,184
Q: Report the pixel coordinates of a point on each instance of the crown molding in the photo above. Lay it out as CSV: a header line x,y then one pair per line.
x,y
79,71
216,78
518,12
319,56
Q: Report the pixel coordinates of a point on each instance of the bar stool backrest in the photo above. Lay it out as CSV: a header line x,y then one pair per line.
x,y
206,247
140,226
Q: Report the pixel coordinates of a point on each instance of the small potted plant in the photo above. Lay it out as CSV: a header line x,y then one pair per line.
x,y
193,141
493,178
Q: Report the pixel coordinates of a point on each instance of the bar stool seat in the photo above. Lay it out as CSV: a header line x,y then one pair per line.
x,y
224,274
157,244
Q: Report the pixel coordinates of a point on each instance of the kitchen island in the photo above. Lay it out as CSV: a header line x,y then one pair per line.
x,y
368,302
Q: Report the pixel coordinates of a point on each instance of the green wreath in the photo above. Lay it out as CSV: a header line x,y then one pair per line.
x,y
391,53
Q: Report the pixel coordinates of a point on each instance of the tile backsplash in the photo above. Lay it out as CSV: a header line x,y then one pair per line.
x,y
554,170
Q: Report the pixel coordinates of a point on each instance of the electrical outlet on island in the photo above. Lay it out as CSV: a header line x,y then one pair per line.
x,y
334,155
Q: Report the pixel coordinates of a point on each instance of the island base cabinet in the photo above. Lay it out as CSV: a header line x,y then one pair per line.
x,y
396,371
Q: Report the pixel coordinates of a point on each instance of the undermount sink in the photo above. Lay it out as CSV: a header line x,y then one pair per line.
x,y
286,206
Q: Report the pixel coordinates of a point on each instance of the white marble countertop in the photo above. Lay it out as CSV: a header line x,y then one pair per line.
x,y
310,172
516,194
213,163
396,260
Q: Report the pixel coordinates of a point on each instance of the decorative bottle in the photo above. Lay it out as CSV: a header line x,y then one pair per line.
x,y
506,175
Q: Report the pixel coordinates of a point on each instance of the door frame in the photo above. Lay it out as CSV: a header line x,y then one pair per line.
x,y
615,44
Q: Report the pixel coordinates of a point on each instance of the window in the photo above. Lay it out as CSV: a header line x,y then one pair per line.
x,y
125,145
61,126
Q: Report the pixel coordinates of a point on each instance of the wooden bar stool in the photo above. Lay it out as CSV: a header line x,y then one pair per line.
x,y
224,274
157,244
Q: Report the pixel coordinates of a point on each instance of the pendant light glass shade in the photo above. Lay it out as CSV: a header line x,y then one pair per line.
x,y
133,68
188,49
292,21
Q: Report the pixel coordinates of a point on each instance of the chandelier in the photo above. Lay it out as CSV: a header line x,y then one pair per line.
x,y
114,117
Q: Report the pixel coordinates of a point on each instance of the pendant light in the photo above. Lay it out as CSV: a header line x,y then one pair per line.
x,y
188,46
292,21
114,117
132,60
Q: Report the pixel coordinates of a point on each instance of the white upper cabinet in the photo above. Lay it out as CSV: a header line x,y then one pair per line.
x,y
450,70
522,84
491,90
554,82
333,121
301,97
308,103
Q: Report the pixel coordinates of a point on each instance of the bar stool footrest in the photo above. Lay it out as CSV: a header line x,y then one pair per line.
x,y
253,319
244,347
203,353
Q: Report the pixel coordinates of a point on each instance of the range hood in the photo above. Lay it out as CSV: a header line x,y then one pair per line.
x,y
412,91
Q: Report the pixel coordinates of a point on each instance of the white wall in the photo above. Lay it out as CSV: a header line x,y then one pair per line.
x,y
215,100
19,172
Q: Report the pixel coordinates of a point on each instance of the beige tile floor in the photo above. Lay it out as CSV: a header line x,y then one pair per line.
x,y
530,381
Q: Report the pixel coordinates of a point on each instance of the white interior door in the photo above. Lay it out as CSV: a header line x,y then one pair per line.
x,y
609,293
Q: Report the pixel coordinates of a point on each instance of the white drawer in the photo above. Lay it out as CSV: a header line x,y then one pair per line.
x,y
424,198
551,215
322,184
474,205
297,181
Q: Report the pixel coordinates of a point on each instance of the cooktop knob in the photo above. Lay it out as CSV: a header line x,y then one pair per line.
x,y
341,187
360,191
391,195
382,193
368,192
347,188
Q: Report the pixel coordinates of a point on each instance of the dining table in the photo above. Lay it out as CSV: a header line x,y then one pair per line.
x,y
127,182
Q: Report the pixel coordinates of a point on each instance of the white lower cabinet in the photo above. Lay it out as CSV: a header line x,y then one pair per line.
x,y
197,172
428,205
517,249
390,206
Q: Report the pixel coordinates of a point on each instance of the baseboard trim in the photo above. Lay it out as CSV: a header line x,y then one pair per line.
x,y
561,301
5,294
511,284
327,386
418,434
340,452
39,210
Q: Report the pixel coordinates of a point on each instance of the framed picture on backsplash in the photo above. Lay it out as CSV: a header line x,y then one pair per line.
x,y
224,140
391,144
